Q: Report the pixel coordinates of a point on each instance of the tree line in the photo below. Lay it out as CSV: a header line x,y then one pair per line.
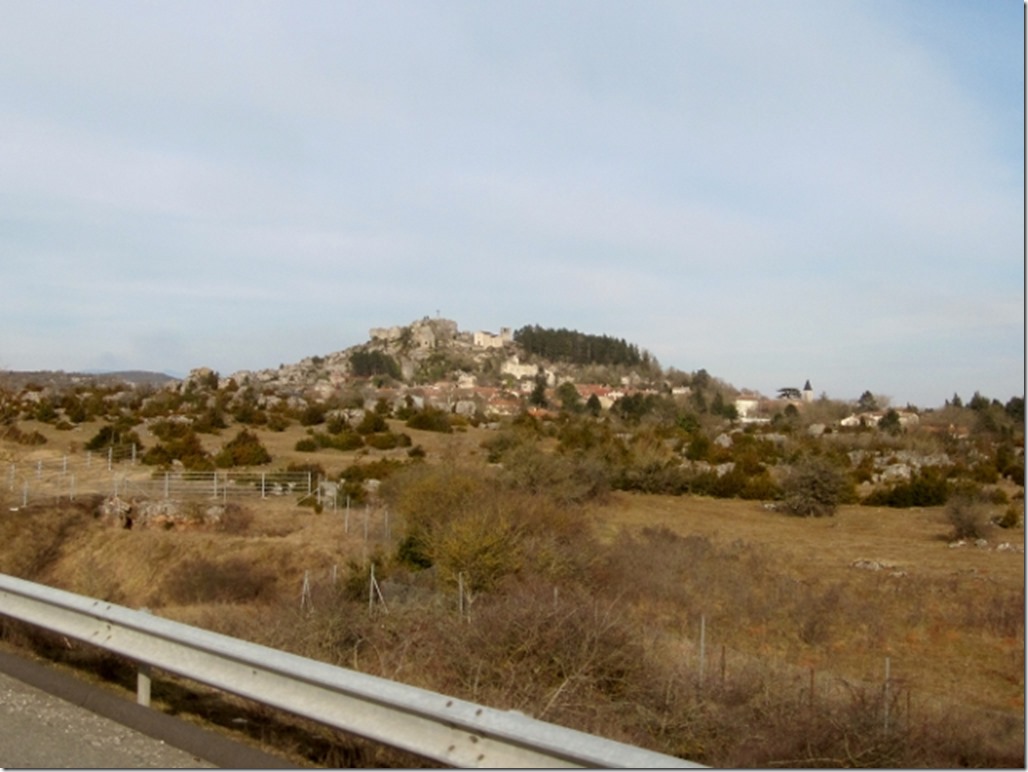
x,y
580,348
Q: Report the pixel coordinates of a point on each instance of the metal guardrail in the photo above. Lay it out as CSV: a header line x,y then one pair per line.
x,y
448,730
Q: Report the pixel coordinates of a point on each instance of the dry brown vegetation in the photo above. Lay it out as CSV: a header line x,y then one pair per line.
x,y
590,614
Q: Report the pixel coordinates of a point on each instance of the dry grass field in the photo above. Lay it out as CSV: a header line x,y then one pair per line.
x,y
799,617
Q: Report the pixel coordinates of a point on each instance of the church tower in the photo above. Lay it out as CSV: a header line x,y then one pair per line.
x,y
808,392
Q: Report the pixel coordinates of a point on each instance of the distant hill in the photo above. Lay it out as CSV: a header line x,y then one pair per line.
x,y
19,379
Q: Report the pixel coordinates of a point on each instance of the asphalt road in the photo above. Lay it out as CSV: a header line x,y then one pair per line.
x,y
60,722
42,731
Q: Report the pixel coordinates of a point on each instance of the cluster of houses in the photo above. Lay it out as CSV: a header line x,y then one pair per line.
x,y
753,408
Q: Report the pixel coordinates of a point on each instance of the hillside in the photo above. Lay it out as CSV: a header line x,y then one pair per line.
x,y
58,379
433,350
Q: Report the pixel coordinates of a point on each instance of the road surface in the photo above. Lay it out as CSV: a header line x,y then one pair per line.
x,y
39,729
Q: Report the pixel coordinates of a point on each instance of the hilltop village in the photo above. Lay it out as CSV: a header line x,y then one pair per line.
x,y
432,363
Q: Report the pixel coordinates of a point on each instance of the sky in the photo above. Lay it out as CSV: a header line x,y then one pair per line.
x,y
770,190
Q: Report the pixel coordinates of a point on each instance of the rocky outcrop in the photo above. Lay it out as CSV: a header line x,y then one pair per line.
x,y
118,512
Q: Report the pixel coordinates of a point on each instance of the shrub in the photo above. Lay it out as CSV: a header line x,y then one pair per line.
x,y
1011,517
813,488
235,519
568,479
312,415
15,434
969,515
278,422
926,488
431,419
245,449
119,437
382,441
234,580
346,440
372,423
181,445
368,363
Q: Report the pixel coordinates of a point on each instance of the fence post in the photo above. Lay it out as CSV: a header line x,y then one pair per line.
x,y
264,494
371,590
885,696
703,646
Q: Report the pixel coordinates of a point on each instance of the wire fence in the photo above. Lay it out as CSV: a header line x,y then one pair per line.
x,y
121,474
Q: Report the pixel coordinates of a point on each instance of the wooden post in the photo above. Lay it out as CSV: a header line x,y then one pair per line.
x,y
722,667
371,590
885,696
306,603
703,646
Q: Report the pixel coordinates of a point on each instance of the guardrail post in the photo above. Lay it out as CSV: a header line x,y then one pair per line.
x,y
143,686
143,680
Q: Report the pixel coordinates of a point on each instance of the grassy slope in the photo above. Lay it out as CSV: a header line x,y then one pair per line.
x,y
936,618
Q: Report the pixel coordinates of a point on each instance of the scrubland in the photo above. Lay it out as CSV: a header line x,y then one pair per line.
x,y
712,629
